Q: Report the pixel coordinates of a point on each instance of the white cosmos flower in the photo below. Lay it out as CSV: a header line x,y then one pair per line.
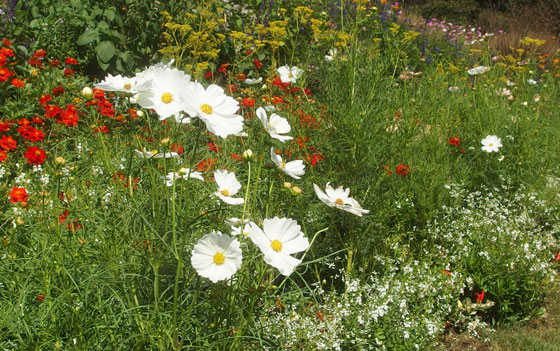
x,y
332,54
289,74
216,256
531,81
491,143
119,83
167,91
216,109
228,186
339,198
281,238
236,224
294,169
478,70
183,173
251,81
155,154
275,126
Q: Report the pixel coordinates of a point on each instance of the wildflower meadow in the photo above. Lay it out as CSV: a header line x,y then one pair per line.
x,y
260,175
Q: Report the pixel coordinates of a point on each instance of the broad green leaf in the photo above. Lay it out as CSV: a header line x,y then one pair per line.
x,y
88,36
105,51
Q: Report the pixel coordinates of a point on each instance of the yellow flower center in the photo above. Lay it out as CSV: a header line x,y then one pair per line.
x,y
491,144
276,245
224,192
290,75
219,258
206,109
246,233
339,202
166,98
283,165
127,86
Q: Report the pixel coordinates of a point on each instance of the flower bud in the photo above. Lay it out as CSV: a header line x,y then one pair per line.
x,y
248,154
19,221
296,190
165,141
287,185
140,113
87,92
60,161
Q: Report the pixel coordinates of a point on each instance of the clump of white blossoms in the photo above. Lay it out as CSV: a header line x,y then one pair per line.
x,y
214,108
478,70
278,240
491,143
289,74
294,169
339,198
228,186
216,256
275,125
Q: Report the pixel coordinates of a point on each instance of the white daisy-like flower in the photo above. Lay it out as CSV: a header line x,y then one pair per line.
x,y
339,198
167,91
238,226
289,74
491,143
275,126
503,92
251,81
118,83
155,154
531,81
478,70
216,256
278,240
183,173
332,54
294,169
228,186
215,108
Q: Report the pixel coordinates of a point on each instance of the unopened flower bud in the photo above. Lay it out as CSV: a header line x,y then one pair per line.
x,y
296,190
165,141
19,221
248,154
287,185
87,92
140,113
60,161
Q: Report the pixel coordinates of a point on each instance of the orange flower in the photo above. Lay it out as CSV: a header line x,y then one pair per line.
x,y
18,195
35,155
403,169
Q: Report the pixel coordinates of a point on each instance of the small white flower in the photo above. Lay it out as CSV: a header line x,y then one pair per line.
x,y
236,224
478,70
228,186
278,240
491,143
503,92
454,89
531,81
183,173
289,74
332,54
339,198
294,169
251,81
275,126
216,256
119,83
155,154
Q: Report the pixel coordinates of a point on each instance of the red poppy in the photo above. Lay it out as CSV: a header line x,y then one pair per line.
x,y
479,296
35,155
18,195
455,141
402,169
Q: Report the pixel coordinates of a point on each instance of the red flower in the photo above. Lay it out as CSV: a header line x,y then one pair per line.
x,y
209,75
31,134
44,99
8,143
403,169
206,165
5,74
71,61
69,116
52,111
62,217
18,195
58,90
4,126
39,54
68,72
6,42
3,156
35,155
479,297
446,272
40,297
223,68
54,63
18,83
102,129
237,157
455,141
316,158
176,148
257,64
240,76
248,102
214,147
277,100
557,258
386,167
